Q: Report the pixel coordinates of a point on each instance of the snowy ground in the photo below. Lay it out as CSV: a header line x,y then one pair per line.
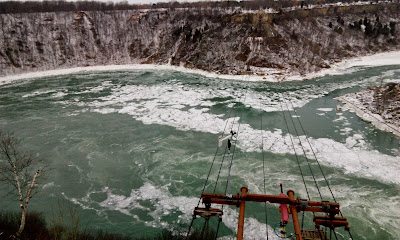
x,y
269,74
353,103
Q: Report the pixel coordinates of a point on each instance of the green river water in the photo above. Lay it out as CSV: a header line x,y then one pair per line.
x,y
131,149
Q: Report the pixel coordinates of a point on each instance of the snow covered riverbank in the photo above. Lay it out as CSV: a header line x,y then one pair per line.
x,y
356,102
269,75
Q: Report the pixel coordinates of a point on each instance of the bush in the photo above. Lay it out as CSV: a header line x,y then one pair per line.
x,y
35,226
36,229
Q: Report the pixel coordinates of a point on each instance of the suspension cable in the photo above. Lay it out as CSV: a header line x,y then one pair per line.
x,y
190,227
294,149
212,163
263,158
233,121
226,147
216,152
313,152
219,223
219,171
204,228
335,234
304,152
316,159
237,132
209,172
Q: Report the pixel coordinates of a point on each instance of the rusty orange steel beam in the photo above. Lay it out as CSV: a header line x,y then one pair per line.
x,y
332,205
247,197
239,235
223,199
239,200
332,223
335,218
295,217
317,209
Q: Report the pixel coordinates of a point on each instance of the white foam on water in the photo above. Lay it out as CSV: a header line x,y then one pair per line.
x,y
59,95
373,206
160,199
362,202
155,104
80,202
48,185
253,229
163,104
105,110
178,95
38,93
353,156
164,204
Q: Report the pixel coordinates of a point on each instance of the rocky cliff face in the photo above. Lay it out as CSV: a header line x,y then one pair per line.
x,y
220,40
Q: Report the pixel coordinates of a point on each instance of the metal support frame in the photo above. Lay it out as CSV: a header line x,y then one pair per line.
x,y
295,205
295,217
242,209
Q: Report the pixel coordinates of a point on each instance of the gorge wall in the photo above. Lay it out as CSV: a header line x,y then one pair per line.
x,y
220,40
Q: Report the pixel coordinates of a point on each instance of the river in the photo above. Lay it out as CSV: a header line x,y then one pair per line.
x,y
131,149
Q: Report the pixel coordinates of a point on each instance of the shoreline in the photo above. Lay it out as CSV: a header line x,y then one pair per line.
x,y
375,119
269,75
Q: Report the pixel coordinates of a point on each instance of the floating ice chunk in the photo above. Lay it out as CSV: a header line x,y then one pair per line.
x,y
37,93
105,110
58,95
325,109
346,130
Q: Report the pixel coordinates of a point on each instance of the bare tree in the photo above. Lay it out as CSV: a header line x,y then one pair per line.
x,y
20,170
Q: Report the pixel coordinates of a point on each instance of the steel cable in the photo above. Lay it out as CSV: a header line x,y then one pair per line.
x,y
263,158
212,164
294,149
316,159
304,152
237,132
